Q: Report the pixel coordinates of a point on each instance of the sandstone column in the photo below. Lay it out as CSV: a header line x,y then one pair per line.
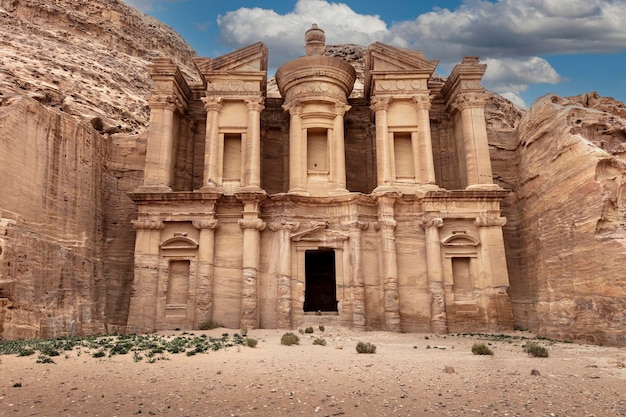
x,y
206,251
252,155
475,143
425,168
213,106
386,226
297,150
380,105
338,161
359,316
252,226
283,305
160,146
438,316
143,299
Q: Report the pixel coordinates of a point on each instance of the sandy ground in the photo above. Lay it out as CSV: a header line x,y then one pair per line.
x,y
405,377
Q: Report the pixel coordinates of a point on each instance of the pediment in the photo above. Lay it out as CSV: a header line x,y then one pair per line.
x,y
386,58
252,58
179,242
460,240
319,234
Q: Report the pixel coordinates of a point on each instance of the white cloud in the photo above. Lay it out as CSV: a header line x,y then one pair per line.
x,y
509,35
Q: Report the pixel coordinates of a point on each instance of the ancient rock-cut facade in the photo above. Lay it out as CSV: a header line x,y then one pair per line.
x,y
374,212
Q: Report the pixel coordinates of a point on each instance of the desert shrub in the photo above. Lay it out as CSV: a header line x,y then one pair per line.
x,y
322,328
250,342
481,349
25,351
319,341
289,339
208,325
99,354
535,350
366,347
44,359
308,330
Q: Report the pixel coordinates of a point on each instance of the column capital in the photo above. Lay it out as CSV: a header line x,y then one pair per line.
x,y
148,224
432,222
254,103
210,224
341,108
354,225
385,224
284,225
294,107
380,103
422,101
490,221
212,103
256,224
165,102
469,100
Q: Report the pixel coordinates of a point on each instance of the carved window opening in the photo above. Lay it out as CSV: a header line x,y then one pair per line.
x,y
317,150
178,282
320,281
463,283
232,157
403,156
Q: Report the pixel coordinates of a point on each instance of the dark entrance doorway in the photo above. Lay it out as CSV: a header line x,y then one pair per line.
x,y
320,287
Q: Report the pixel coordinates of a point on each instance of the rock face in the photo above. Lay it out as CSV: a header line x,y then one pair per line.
x,y
74,89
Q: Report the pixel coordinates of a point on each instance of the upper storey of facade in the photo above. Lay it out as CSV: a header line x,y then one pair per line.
x,y
410,132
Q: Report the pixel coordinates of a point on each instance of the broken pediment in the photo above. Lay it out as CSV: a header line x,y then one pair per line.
x,y
250,58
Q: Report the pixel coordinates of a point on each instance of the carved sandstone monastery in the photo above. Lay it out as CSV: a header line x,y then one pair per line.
x,y
249,219
367,191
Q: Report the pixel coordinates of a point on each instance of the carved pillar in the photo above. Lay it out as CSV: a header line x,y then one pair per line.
x,y
425,168
252,154
283,305
474,133
380,105
338,162
438,316
297,150
206,275
143,299
359,314
386,226
252,226
495,277
160,146
211,176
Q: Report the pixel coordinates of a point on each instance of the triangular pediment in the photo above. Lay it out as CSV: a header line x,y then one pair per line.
x,y
249,59
387,58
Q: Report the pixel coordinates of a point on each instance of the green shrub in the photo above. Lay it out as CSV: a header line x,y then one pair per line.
x,y
319,341
250,342
308,330
99,354
535,350
289,339
365,347
322,328
208,325
481,349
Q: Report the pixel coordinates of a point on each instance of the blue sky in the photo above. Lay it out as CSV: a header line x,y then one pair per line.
x,y
532,47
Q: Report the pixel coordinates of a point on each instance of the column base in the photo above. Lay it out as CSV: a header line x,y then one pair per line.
x,y
299,191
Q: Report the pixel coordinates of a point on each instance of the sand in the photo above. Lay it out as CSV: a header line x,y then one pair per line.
x,y
409,375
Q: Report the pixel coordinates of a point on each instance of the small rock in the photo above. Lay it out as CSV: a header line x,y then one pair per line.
x,y
338,346
535,372
448,369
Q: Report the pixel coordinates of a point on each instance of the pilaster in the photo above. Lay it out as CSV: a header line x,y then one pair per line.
x,y
283,304
424,165
380,106
359,314
252,153
211,176
297,150
438,316
206,273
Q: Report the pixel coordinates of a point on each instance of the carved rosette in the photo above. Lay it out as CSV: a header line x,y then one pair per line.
x,y
490,221
147,224
232,87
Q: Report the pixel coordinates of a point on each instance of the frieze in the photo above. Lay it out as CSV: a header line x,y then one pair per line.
x,y
238,86
146,224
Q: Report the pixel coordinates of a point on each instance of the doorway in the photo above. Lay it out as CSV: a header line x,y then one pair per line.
x,y
321,281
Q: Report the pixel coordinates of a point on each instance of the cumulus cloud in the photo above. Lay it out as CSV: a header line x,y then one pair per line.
x,y
509,35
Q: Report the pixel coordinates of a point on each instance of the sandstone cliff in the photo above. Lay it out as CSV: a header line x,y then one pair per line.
x,y
73,112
